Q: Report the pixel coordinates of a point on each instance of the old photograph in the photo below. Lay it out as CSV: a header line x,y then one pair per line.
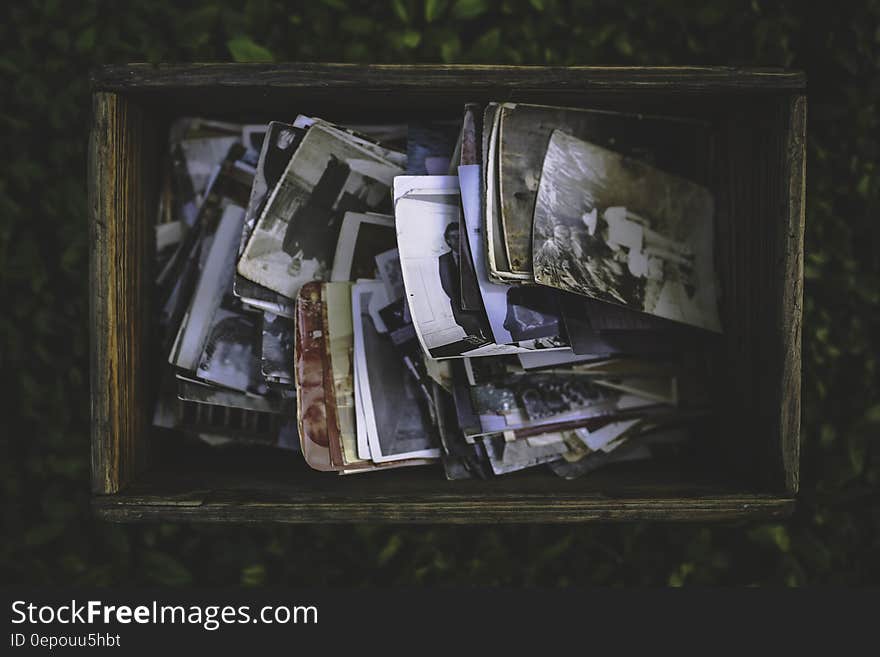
x,y
231,357
362,238
619,230
209,290
278,145
191,389
339,331
388,269
309,349
295,238
526,317
277,347
540,399
679,146
506,457
428,232
393,408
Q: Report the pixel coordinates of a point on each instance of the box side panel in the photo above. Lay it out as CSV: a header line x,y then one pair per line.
x,y
238,489
759,252
791,257
120,156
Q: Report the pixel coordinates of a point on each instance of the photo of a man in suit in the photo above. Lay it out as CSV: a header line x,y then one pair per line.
x,y
450,279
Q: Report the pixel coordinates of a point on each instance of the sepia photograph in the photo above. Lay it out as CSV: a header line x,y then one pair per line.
x,y
309,349
362,238
339,335
619,230
393,408
295,238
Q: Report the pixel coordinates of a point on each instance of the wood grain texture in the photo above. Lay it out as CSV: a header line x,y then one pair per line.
x,y
194,482
521,509
792,299
245,77
120,274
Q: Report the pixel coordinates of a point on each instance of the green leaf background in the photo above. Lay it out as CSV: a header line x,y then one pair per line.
x,y
49,533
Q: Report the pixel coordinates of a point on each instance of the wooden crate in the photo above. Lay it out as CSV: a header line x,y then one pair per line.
x,y
745,465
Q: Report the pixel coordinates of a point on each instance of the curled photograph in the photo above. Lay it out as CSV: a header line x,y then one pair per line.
x,y
619,230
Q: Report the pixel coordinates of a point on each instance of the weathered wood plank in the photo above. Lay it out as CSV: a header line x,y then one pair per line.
x,y
303,75
119,155
791,300
545,510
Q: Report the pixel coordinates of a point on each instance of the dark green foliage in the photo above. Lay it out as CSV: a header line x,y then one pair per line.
x,y
48,533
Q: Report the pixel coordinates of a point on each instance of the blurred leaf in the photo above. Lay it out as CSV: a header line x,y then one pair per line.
x,y
243,49
401,10
467,9
433,9
254,575
411,38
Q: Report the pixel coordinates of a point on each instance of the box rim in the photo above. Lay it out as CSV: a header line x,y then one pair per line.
x,y
144,76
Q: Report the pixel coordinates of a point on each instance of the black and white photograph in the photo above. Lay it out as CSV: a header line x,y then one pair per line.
x,y
396,424
619,230
277,147
232,353
210,288
424,371
541,399
253,135
295,238
677,145
387,142
362,238
631,451
520,316
277,348
191,389
217,341
200,157
428,234
512,456
389,272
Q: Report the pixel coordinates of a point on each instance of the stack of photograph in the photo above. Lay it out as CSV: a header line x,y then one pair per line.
x,y
523,286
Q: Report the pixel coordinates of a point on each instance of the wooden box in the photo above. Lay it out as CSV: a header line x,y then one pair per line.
x,y
744,466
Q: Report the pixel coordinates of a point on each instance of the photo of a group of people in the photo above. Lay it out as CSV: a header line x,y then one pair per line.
x,y
619,230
